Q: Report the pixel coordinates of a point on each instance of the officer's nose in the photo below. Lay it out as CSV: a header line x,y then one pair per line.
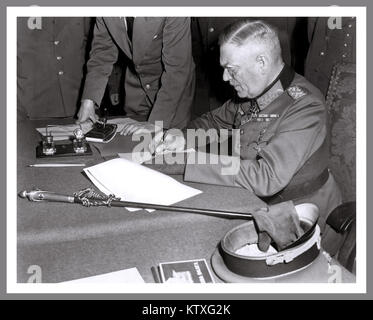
x,y
226,75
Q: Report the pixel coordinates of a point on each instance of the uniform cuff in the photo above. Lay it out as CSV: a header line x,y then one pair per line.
x,y
211,169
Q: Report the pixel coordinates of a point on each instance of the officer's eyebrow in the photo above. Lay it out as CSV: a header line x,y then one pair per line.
x,y
227,65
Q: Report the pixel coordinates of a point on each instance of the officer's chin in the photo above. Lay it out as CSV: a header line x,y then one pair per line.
x,y
243,94
247,95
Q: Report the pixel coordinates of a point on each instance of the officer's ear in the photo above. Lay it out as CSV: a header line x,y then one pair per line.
x,y
263,63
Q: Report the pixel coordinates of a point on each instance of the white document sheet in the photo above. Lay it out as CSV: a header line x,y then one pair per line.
x,y
131,275
133,182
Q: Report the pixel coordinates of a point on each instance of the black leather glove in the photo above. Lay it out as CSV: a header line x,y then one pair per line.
x,y
278,223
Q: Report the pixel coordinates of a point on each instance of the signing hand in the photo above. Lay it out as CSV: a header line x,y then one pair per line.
x,y
172,140
87,112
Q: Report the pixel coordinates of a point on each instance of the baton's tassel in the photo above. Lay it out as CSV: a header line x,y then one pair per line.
x,y
89,198
85,202
110,199
89,193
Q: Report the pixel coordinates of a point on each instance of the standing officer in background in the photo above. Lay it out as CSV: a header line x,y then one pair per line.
x,y
332,40
211,91
282,121
51,56
159,80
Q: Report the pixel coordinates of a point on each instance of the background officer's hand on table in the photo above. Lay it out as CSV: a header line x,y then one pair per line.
x,y
87,111
136,127
172,140
129,126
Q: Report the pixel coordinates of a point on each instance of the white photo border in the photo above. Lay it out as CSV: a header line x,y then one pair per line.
x,y
361,133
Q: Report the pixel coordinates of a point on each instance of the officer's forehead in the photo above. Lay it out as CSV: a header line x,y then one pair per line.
x,y
233,54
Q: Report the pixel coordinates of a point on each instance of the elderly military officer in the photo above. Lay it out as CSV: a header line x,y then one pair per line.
x,y
211,91
159,80
282,121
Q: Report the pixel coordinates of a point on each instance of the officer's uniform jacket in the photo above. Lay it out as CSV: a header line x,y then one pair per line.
x,y
50,65
159,80
283,147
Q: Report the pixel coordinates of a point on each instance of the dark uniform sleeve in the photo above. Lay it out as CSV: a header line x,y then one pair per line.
x,y
178,79
103,55
300,133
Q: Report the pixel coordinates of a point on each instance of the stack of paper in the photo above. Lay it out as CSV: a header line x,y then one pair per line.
x,y
133,182
131,275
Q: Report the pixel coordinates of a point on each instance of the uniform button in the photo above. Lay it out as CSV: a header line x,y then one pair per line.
x,y
59,58
211,29
56,42
347,34
322,53
241,131
147,86
155,37
350,25
345,44
343,56
60,73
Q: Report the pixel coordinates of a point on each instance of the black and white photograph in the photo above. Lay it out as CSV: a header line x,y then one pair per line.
x,y
186,150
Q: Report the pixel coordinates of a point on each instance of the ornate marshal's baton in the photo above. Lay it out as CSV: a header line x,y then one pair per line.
x,y
88,197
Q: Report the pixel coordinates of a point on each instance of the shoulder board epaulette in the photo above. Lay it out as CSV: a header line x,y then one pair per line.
x,y
296,92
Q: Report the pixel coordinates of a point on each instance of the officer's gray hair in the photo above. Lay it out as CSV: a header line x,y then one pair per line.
x,y
248,30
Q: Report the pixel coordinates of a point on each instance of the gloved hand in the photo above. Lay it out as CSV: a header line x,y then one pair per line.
x,y
278,223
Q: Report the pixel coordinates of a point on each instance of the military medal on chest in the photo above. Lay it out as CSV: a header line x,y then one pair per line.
x,y
249,112
253,115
